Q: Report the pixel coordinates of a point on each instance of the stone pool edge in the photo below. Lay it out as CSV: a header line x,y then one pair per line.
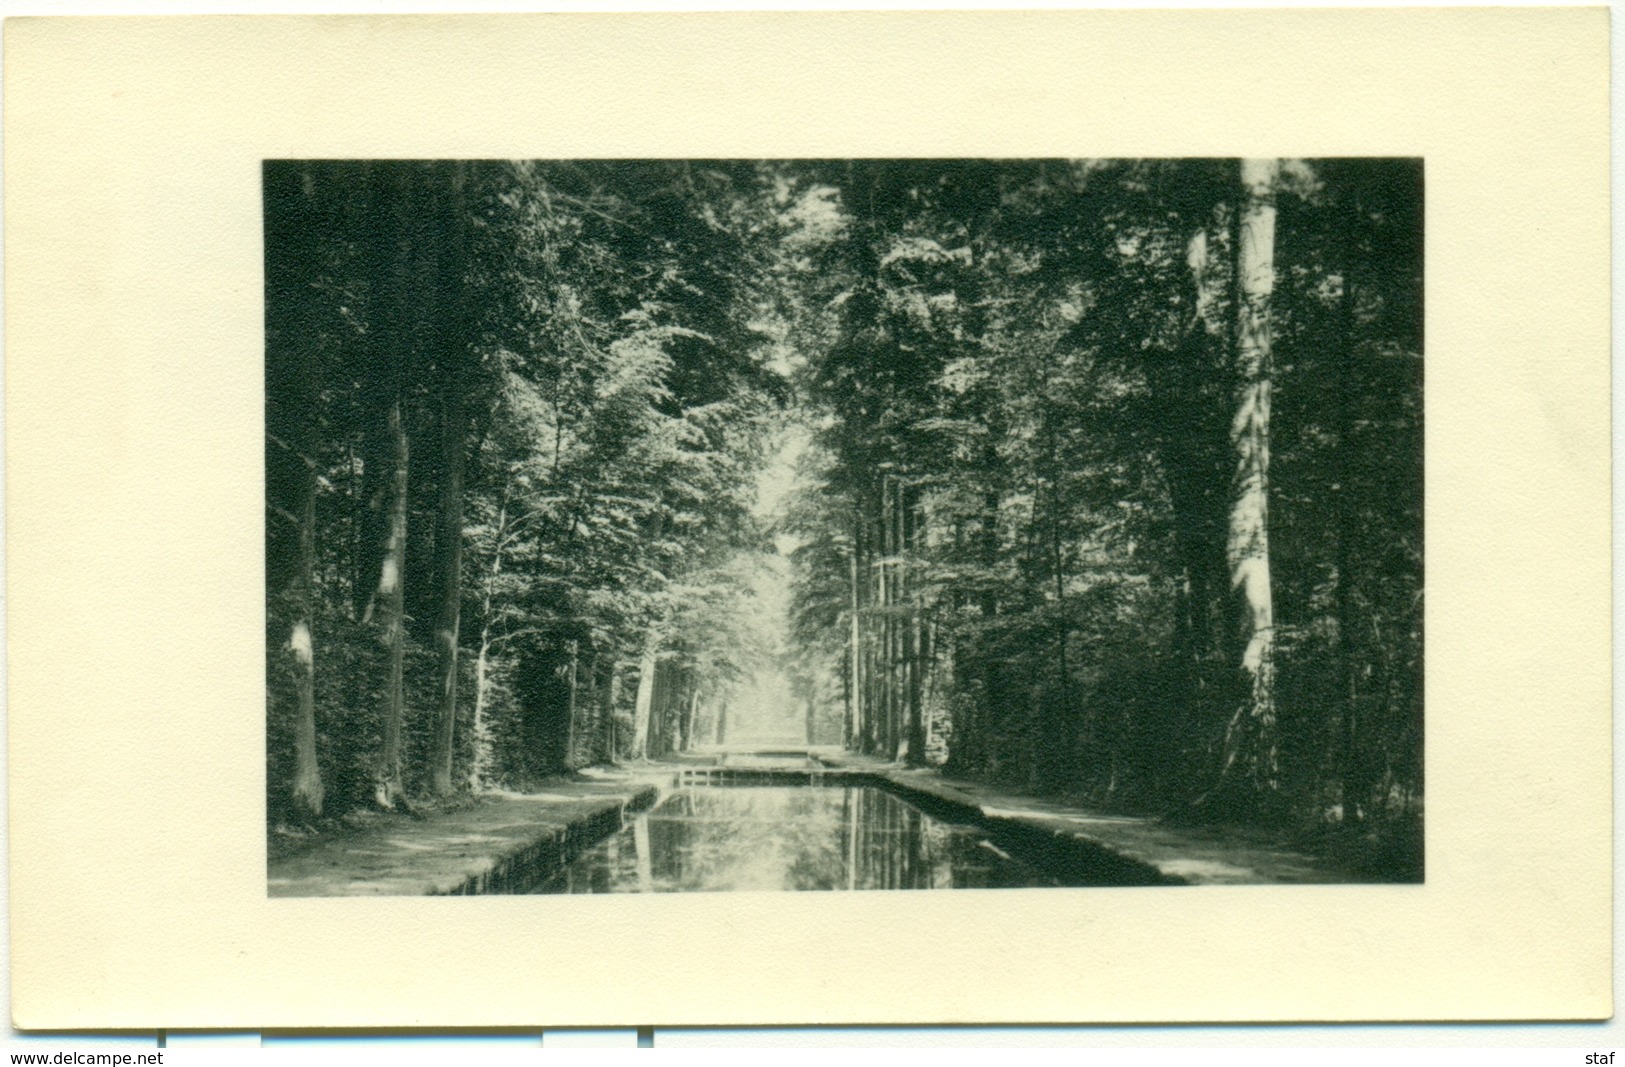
x,y
533,863
1130,850
1047,847
504,844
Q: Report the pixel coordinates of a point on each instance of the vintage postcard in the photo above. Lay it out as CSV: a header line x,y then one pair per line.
x,y
809,518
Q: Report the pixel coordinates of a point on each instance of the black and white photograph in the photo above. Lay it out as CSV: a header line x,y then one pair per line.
x,y
699,525
919,525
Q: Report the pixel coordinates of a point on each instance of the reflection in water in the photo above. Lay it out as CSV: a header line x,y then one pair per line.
x,y
789,837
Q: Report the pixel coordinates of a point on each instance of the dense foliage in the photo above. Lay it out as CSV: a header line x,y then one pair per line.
x,y
559,365
1112,489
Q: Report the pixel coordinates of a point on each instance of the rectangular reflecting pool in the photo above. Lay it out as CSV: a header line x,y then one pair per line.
x,y
790,838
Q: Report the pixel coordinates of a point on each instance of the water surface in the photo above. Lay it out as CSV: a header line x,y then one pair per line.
x,y
790,838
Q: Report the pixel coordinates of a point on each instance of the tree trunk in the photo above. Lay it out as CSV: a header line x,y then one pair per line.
x,y
480,757
1349,770
570,708
677,705
292,394
450,546
644,706
882,651
1251,738
854,739
453,431
388,606
391,338
686,735
1197,459
658,695
593,708
612,693
873,709
1062,730
888,600
907,535
307,775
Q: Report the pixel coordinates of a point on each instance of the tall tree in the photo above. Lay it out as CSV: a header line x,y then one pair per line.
x,y
453,318
648,671
1251,736
292,225
390,355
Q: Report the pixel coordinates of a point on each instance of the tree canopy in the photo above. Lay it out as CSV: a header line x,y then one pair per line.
x,y
1108,475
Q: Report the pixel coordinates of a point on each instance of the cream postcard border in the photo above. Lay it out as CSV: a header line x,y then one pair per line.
x,y
134,347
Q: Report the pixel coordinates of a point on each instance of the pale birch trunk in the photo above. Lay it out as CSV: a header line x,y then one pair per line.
x,y
1251,737
481,756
